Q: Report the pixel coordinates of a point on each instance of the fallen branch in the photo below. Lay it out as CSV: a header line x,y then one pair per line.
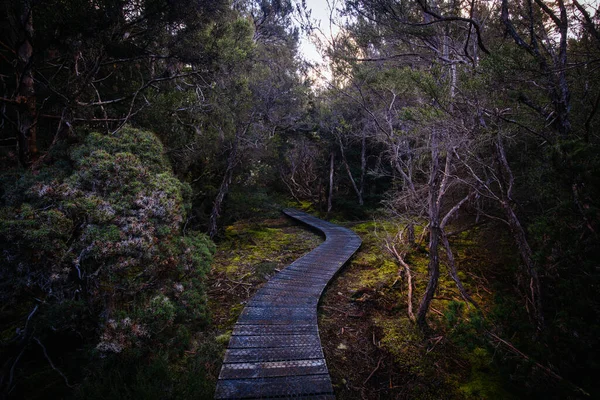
x,y
239,283
400,259
438,312
438,339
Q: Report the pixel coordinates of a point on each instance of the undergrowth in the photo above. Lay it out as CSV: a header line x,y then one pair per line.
x,y
384,355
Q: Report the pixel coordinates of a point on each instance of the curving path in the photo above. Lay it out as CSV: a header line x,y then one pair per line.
x,y
275,350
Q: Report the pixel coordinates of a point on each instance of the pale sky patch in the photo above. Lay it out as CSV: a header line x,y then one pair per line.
x,y
320,16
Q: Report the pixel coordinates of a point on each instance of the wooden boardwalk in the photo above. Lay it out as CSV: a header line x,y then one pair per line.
x,y
275,350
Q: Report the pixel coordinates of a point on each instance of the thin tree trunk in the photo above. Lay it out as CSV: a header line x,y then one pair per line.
x,y
232,161
534,300
452,269
331,169
410,229
434,275
356,190
363,163
451,261
26,90
218,203
408,274
564,98
434,233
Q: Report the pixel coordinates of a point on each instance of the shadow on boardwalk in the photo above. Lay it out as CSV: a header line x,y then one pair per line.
x,y
275,349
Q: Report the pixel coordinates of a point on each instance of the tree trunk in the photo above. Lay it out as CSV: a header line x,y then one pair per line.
x,y
356,189
363,164
434,275
232,161
410,234
534,300
434,232
26,90
534,306
331,169
218,203
452,269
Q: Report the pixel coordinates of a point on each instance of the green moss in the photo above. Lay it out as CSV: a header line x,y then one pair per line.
x,y
234,313
484,381
381,272
404,341
258,244
224,338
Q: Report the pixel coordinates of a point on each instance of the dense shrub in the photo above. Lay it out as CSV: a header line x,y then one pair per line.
x,y
100,252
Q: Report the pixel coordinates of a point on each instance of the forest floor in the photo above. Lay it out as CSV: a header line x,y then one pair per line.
x,y
373,350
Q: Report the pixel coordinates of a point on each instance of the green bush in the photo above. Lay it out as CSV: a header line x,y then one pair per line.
x,y
106,235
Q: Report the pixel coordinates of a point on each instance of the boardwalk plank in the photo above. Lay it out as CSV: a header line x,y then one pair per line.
x,y
274,387
253,330
273,354
273,368
237,342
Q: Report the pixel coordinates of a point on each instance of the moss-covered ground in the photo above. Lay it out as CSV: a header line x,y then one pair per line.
x,y
372,348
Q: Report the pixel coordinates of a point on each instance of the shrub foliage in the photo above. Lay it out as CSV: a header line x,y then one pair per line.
x,y
100,251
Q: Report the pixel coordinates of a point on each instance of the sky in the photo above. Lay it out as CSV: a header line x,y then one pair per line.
x,y
320,12
320,16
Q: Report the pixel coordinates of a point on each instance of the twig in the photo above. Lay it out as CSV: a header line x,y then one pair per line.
x,y
439,339
336,309
239,283
436,311
373,372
